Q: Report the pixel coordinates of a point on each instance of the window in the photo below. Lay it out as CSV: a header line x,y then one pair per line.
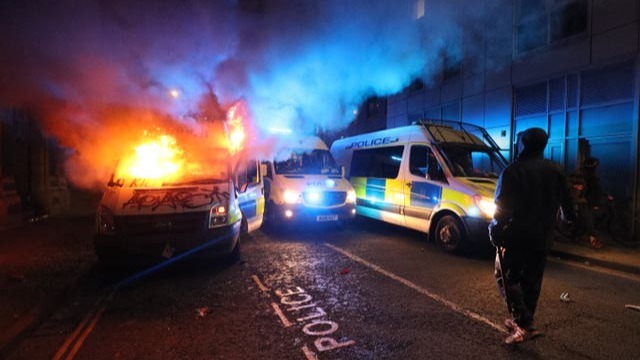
x,y
423,163
378,163
419,9
568,19
305,162
538,25
473,161
247,175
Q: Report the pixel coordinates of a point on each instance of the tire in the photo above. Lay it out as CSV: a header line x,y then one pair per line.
x,y
234,256
450,235
244,226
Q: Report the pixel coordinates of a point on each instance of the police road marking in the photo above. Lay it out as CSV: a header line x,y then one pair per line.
x,y
259,283
283,318
451,305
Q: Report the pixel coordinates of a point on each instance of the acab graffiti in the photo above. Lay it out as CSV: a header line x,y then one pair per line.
x,y
190,198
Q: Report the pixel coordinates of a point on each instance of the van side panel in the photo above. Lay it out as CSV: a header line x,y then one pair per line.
x,y
380,199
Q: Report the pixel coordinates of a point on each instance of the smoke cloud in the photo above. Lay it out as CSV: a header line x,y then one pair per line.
x,y
99,70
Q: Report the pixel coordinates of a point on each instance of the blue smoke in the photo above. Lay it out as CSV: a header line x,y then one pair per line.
x,y
300,64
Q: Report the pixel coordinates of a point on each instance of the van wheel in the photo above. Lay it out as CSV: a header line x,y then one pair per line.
x,y
450,235
234,255
244,226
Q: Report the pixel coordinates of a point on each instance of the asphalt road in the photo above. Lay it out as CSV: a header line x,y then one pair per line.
x,y
362,291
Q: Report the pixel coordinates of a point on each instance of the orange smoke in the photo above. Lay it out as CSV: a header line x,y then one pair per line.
x,y
152,145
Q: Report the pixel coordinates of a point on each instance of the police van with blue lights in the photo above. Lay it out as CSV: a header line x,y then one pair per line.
x,y
437,177
303,183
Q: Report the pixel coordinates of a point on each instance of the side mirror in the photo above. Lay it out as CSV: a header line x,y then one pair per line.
x,y
343,171
243,187
263,170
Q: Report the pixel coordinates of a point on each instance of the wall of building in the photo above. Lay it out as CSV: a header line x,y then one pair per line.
x,y
581,88
32,180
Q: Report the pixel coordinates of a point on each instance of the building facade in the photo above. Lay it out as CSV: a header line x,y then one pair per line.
x,y
567,66
31,172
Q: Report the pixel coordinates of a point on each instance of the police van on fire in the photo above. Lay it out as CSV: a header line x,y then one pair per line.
x,y
303,183
163,201
437,177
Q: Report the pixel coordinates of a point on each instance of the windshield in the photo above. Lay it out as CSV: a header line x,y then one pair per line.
x,y
305,162
473,161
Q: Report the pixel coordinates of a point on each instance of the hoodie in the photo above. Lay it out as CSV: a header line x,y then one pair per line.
x,y
529,193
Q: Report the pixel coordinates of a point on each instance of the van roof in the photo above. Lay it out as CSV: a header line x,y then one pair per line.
x,y
439,132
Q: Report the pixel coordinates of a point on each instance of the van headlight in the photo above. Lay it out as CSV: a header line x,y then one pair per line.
x,y
486,205
218,216
291,196
351,196
105,221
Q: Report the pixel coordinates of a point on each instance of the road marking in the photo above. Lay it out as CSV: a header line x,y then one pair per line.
x,y
285,321
259,283
310,355
83,330
451,305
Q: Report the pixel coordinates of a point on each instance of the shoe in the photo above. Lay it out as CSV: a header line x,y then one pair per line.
x,y
519,335
510,324
594,242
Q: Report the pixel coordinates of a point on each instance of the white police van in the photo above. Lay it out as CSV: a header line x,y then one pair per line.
x,y
147,212
438,177
303,183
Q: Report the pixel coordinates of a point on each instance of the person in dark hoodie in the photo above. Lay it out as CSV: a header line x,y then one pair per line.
x,y
528,195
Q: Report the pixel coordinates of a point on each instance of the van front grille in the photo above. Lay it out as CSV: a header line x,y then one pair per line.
x,y
325,198
162,223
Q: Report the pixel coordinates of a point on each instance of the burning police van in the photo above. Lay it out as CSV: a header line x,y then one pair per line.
x,y
438,177
303,183
165,199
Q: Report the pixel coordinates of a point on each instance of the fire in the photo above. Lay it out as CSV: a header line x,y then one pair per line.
x,y
237,134
158,159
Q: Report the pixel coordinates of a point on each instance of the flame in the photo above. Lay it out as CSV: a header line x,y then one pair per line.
x,y
155,159
237,134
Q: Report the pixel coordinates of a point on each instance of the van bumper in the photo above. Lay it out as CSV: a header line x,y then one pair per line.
x,y
221,240
301,213
478,230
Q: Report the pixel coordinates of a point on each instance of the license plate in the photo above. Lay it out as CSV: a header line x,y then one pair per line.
x,y
327,218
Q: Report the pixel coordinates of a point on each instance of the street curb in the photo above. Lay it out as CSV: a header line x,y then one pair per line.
x,y
635,270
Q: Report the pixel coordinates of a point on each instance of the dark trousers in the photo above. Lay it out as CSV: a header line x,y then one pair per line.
x,y
519,280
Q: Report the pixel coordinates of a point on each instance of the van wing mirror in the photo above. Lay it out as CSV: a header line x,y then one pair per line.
x,y
263,170
343,171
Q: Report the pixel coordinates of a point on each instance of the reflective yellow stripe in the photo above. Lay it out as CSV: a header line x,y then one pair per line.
x,y
394,192
450,196
260,206
360,186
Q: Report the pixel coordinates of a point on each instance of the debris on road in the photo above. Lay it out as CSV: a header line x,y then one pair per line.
x,y
633,307
202,312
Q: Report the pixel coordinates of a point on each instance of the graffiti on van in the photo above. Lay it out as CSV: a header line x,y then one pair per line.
x,y
192,198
